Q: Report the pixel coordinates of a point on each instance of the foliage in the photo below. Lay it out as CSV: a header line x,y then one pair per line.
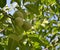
x,y
35,25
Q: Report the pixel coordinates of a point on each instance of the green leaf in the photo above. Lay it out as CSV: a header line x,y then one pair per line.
x,y
1,48
34,38
53,7
32,8
14,37
53,37
2,3
1,16
12,44
58,2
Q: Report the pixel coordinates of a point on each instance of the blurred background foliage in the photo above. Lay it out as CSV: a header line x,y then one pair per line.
x,y
42,34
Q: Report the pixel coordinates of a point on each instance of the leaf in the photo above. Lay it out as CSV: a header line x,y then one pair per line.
x,y
2,3
53,37
58,2
34,38
1,16
50,47
1,48
12,44
32,8
14,37
53,8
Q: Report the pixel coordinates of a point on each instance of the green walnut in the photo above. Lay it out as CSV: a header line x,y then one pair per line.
x,y
18,18
26,26
17,25
18,14
19,21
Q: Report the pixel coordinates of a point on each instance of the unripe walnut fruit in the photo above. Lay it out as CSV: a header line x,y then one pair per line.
x,y
19,21
18,14
26,26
